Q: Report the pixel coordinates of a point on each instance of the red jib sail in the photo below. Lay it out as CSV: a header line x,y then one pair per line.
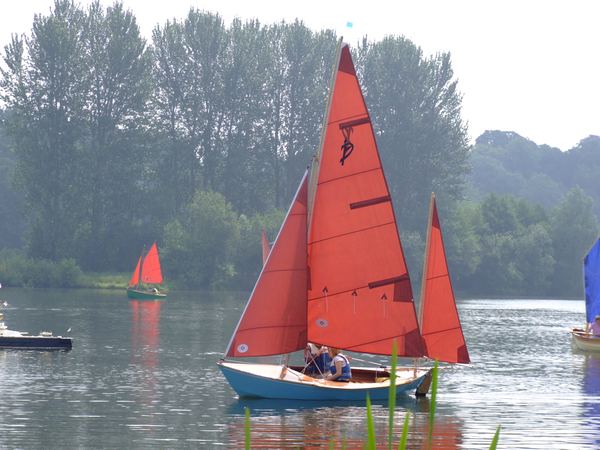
x,y
359,292
274,321
150,272
266,248
135,277
440,324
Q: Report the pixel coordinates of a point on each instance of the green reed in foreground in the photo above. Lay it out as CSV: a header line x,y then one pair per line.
x,y
247,428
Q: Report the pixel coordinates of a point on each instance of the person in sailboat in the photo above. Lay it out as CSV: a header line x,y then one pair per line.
x,y
339,367
594,328
316,359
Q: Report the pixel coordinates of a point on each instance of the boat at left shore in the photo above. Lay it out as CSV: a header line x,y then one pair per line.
x,y
23,340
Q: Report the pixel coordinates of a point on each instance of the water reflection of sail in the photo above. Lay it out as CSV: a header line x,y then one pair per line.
x,y
591,404
313,424
145,333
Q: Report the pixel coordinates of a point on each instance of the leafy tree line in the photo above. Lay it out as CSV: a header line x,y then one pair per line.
x,y
507,246
198,138
114,137
506,163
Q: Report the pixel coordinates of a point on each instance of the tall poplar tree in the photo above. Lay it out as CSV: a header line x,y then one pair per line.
x,y
416,109
118,87
43,87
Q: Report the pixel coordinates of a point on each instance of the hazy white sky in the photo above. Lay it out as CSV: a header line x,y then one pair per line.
x,y
529,66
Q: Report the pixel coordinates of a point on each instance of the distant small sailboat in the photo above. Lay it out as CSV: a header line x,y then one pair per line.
x,y
439,321
146,277
582,338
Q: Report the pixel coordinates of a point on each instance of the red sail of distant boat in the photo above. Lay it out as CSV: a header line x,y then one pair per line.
x,y
135,277
150,272
274,321
266,248
440,324
359,292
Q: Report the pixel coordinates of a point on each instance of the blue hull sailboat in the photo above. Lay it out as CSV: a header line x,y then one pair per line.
x,y
282,382
336,275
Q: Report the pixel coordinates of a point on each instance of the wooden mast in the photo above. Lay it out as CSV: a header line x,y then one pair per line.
x,y
139,283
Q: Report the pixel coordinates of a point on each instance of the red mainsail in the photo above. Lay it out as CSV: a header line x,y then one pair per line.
x,y
440,324
151,273
274,321
359,292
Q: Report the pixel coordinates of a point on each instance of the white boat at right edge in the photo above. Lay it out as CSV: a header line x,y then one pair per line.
x,y
581,337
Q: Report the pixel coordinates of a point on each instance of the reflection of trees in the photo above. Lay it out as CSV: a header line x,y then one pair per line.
x,y
591,404
310,424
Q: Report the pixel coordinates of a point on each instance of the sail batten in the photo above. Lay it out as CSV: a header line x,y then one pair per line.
x,y
353,232
370,202
355,123
350,175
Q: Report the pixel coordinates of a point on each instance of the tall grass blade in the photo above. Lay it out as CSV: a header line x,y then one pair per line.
x,y
434,382
404,438
247,428
371,444
392,395
496,438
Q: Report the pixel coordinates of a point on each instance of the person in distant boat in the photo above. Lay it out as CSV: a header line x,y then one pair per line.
x,y
155,290
339,367
317,359
594,328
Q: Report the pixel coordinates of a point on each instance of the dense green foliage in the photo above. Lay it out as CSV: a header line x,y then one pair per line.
x,y
506,246
17,269
12,223
416,108
506,163
198,139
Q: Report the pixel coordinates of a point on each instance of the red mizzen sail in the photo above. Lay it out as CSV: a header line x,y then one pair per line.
x,y
274,321
150,272
266,248
359,292
440,324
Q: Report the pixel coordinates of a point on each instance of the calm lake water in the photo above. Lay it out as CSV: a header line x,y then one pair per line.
x,y
143,375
